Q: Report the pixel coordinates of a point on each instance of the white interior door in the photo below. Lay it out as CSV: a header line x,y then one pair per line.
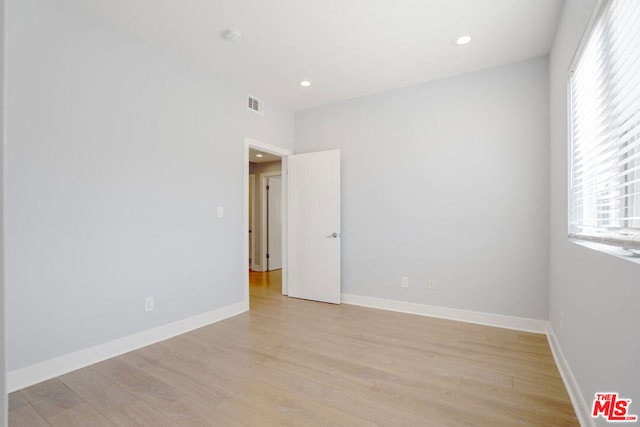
x,y
314,226
274,223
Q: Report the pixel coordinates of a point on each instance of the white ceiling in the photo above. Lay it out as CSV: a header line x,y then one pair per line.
x,y
266,157
347,48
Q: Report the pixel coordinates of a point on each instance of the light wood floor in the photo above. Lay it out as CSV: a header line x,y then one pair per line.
x,y
291,362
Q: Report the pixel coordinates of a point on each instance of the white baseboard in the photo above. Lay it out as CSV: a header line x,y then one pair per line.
x,y
579,405
490,319
30,375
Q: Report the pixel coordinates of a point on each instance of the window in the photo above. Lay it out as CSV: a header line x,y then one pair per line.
x,y
604,92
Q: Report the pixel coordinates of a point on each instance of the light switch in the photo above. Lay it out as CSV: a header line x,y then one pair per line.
x,y
220,211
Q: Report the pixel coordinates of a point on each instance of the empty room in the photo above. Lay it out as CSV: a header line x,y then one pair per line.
x,y
286,212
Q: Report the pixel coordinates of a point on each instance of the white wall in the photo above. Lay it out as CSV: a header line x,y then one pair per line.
x,y
117,156
598,293
447,181
3,359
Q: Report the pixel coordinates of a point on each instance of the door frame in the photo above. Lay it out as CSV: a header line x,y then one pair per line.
x,y
252,226
264,181
282,153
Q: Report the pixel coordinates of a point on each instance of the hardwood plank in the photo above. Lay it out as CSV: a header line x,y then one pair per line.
x,y
309,411
549,386
97,390
377,411
51,397
531,338
81,415
190,378
136,382
317,375
506,413
26,416
16,400
253,413
516,399
191,412
138,413
433,408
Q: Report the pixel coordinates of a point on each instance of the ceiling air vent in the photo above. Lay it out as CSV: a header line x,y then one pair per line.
x,y
255,104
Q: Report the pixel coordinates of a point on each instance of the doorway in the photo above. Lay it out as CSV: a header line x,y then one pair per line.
x,y
267,212
310,209
273,154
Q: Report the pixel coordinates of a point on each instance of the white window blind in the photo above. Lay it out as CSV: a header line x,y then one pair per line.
x,y
604,85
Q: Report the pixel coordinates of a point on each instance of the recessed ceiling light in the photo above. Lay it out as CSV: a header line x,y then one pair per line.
x,y
462,40
259,155
305,83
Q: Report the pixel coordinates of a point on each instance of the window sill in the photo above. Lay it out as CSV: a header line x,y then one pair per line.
x,y
607,249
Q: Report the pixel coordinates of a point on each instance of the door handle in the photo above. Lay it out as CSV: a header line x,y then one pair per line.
x,y
332,236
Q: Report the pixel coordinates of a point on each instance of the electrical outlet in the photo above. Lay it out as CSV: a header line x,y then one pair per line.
x,y
432,284
404,281
148,304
